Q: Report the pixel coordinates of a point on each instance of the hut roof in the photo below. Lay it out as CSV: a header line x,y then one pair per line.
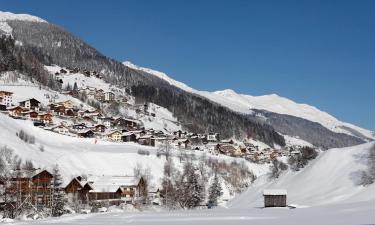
x,y
275,192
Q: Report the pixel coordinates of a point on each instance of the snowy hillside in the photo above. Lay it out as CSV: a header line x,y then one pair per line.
x,y
273,103
331,178
77,156
163,120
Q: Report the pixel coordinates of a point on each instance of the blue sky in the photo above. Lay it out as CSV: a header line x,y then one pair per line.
x,y
316,52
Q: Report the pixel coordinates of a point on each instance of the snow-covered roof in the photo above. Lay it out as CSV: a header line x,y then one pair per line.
x,y
128,133
274,192
111,183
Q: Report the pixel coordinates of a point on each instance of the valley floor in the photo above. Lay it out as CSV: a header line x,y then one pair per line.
x,y
355,213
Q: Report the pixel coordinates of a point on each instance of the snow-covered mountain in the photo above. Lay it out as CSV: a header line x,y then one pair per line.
x,y
7,16
273,103
4,16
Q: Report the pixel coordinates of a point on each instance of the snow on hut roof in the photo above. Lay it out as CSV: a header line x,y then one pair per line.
x,y
275,192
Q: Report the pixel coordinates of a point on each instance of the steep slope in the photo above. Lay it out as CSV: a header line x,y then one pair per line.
x,y
331,178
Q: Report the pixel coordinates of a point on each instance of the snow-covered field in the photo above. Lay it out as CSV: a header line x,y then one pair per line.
x,y
345,214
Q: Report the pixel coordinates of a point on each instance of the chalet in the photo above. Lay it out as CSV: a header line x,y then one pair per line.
x,y
128,189
62,71
86,133
139,133
129,137
30,115
88,119
115,136
61,129
70,112
275,198
184,143
43,186
124,123
30,104
68,104
78,126
46,118
59,109
109,96
100,128
212,137
93,115
6,98
99,96
51,106
106,121
179,134
228,149
74,186
15,111
146,140
132,188
36,189
160,134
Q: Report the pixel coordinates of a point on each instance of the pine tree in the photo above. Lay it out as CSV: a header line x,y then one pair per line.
x,y
191,190
75,88
58,197
215,191
196,191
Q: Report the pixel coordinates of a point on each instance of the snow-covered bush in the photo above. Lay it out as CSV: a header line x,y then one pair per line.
x,y
143,152
24,136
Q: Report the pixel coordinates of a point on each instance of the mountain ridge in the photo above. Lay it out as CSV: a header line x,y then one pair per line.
x,y
273,103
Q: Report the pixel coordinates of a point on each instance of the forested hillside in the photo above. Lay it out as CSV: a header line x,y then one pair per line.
x,y
41,44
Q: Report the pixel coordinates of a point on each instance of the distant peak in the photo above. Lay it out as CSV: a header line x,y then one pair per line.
x,y
4,16
226,92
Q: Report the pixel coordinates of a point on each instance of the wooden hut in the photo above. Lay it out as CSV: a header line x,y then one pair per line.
x,y
275,198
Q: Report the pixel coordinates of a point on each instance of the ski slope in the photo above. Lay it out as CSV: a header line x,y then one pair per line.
x,y
332,178
273,103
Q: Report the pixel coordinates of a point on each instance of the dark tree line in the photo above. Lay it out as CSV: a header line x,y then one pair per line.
x,y
24,60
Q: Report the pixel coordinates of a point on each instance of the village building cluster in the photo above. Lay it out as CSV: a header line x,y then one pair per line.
x,y
37,188
68,118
